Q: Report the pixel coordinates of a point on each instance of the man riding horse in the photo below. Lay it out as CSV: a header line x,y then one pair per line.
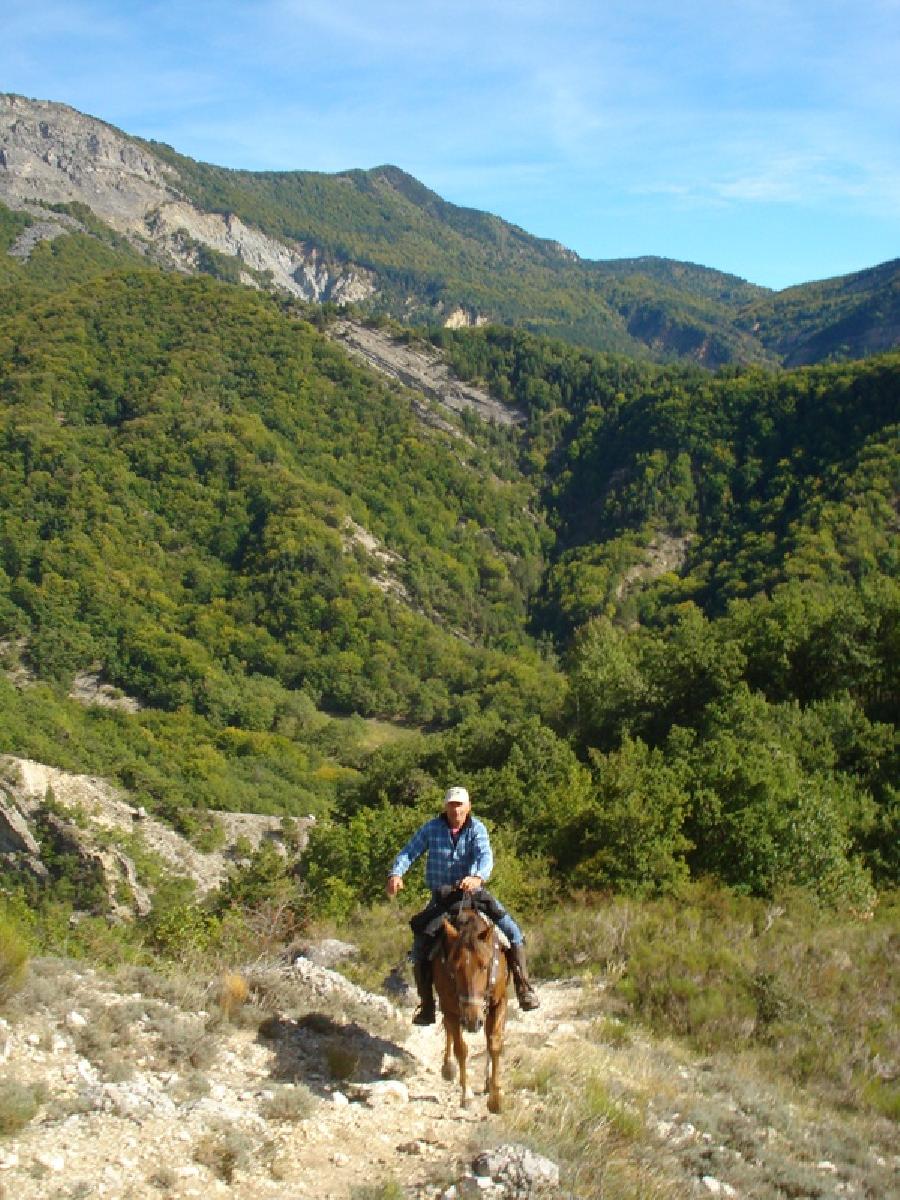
x,y
459,860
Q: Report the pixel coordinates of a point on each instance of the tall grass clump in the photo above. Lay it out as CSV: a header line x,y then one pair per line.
x,y
567,1106
808,991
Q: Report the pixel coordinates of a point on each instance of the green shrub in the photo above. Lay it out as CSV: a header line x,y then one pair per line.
x,y
19,1103
342,1058
389,1190
681,979
13,957
290,1104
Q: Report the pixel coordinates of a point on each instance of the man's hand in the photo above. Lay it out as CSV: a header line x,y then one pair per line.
x,y
394,884
471,883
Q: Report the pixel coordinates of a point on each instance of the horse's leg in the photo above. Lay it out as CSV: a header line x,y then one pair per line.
x,y
448,1067
459,1046
493,1028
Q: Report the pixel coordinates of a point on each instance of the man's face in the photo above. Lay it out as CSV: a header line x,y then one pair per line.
x,y
457,811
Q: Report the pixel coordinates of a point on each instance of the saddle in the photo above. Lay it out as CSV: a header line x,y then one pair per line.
x,y
450,903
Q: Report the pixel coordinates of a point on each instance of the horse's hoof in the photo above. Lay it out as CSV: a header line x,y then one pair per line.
x,y
495,1104
448,1070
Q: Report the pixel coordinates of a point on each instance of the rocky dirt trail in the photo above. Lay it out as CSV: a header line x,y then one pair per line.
x,y
317,1088
139,1101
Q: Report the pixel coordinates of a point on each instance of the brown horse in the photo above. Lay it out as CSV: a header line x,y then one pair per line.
x,y
471,977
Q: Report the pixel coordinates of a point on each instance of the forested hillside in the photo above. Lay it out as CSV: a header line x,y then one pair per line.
x,y
262,602
723,592
209,500
595,618
431,257
595,622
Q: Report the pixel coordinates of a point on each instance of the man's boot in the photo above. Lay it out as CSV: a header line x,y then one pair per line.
x,y
425,1012
525,993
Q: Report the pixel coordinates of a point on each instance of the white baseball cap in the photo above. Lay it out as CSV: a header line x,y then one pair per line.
x,y
456,795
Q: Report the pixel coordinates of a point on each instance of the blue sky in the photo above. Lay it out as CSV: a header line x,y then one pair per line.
x,y
761,137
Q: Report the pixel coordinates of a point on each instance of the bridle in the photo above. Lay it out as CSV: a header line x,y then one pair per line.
x,y
493,967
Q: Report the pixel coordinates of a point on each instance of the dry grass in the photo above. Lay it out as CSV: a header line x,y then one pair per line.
x,y
647,1117
289,1103
810,993
568,1105
233,992
224,1150
181,1040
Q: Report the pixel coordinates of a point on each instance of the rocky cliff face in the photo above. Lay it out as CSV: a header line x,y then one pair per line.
x,y
51,154
87,817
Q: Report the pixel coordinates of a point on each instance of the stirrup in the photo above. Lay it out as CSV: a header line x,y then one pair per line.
x,y
424,1015
527,998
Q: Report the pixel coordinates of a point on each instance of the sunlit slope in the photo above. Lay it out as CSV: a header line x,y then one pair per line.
x,y
211,501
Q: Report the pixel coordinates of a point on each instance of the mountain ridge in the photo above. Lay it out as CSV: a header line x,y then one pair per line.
x,y
381,239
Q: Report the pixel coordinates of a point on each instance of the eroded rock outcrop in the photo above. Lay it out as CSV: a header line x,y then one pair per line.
x,y
87,817
421,368
52,154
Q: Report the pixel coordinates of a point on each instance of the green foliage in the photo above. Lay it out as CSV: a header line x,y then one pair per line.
x,y
763,816
268,877
181,931
19,1104
189,473
81,252
389,1190
630,838
810,993
13,955
798,990
429,257
12,224
346,860
175,764
684,977
184,468
841,318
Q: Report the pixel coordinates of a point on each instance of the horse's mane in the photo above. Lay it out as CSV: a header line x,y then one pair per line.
x,y
469,924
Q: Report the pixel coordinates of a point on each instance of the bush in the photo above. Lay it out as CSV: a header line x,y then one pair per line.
x,y
224,1150
684,977
290,1104
19,1102
13,958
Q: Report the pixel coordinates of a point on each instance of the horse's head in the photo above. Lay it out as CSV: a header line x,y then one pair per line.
x,y
469,947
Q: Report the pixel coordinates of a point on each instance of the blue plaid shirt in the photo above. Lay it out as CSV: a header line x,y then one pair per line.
x,y
449,859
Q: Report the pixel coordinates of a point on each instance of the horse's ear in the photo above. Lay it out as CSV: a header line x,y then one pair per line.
x,y
450,933
486,933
